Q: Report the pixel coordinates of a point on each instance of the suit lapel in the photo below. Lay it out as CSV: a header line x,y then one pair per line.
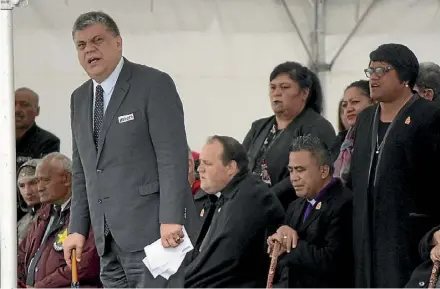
x,y
322,205
315,213
121,88
258,143
296,219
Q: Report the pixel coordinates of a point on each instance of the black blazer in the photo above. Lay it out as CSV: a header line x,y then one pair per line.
x,y
307,122
420,276
323,256
234,251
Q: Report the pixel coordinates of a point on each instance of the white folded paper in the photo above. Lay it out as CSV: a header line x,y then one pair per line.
x,y
166,261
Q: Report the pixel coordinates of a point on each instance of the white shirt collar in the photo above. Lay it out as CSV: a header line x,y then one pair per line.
x,y
110,81
63,206
312,201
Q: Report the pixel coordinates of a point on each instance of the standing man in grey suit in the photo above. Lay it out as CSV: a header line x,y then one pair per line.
x,y
130,158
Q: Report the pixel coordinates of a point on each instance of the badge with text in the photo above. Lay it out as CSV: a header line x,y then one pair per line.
x,y
125,118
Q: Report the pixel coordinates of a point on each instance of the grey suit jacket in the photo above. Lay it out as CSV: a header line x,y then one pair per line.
x,y
138,177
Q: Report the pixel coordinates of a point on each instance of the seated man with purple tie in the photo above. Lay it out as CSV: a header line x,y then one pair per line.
x,y
316,239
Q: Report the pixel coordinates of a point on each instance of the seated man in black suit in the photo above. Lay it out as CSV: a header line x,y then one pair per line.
x,y
429,249
230,250
316,243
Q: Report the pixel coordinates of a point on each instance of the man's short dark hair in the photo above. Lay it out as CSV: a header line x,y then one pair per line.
x,y
233,150
95,17
401,58
316,147
429,77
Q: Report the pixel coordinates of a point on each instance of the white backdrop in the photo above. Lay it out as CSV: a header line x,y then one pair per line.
x,y
219,52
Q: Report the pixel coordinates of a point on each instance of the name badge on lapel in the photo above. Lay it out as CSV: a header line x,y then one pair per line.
x,y
125,118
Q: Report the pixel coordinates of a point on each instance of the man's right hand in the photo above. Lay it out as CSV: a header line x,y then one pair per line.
x,y
73,241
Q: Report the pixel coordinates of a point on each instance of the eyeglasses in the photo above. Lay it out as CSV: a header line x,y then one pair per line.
x,y
379,71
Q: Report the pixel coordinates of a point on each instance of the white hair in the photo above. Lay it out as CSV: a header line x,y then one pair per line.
x,y
63,161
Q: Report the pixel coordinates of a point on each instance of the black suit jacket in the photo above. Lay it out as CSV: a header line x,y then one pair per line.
x,y
420,276
234,250
307,122
323,256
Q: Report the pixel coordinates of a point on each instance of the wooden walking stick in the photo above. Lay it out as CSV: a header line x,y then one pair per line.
x,y
75,283
273,264
434,275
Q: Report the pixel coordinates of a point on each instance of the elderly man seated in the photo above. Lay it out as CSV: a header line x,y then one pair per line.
x,y
40,256
27,186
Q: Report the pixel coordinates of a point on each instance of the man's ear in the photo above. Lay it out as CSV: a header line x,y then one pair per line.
x,y
325,171
68,179
232,167
428,94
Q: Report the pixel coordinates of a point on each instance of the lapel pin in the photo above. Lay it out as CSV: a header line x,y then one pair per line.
x,y
318,206
219,209
202,212
408,120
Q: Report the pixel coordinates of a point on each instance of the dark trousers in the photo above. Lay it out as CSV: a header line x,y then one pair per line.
x,y
121,269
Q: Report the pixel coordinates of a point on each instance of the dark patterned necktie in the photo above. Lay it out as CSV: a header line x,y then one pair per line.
x,y
98,117
98,114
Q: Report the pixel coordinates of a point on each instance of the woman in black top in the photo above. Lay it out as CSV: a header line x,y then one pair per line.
x,y
296,100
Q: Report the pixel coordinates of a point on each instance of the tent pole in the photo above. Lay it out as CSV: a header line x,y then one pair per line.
x,y
8,204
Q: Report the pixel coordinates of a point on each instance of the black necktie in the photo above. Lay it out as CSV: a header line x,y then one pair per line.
x,y
98,114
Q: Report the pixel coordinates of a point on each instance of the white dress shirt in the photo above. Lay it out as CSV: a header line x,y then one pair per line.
x,y
108,85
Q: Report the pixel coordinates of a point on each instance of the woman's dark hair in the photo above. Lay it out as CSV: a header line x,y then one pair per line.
x,y
341,126
305,79
401,58
363,85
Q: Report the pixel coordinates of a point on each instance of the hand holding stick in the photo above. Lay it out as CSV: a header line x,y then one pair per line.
x,y
75,283
273,264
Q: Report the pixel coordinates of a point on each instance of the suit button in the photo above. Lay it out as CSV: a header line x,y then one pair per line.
x,y
421,284
100,201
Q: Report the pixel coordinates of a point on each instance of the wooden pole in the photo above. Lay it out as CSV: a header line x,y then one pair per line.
x,y
75,283
434,275
273,264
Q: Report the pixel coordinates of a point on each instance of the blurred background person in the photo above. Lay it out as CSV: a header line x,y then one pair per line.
x,y
32,142
28,188
356,99
428,81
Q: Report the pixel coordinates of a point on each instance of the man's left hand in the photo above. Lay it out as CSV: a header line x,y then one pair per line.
x,y
171,235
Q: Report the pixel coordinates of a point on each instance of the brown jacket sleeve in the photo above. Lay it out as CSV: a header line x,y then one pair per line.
x,y
24,247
